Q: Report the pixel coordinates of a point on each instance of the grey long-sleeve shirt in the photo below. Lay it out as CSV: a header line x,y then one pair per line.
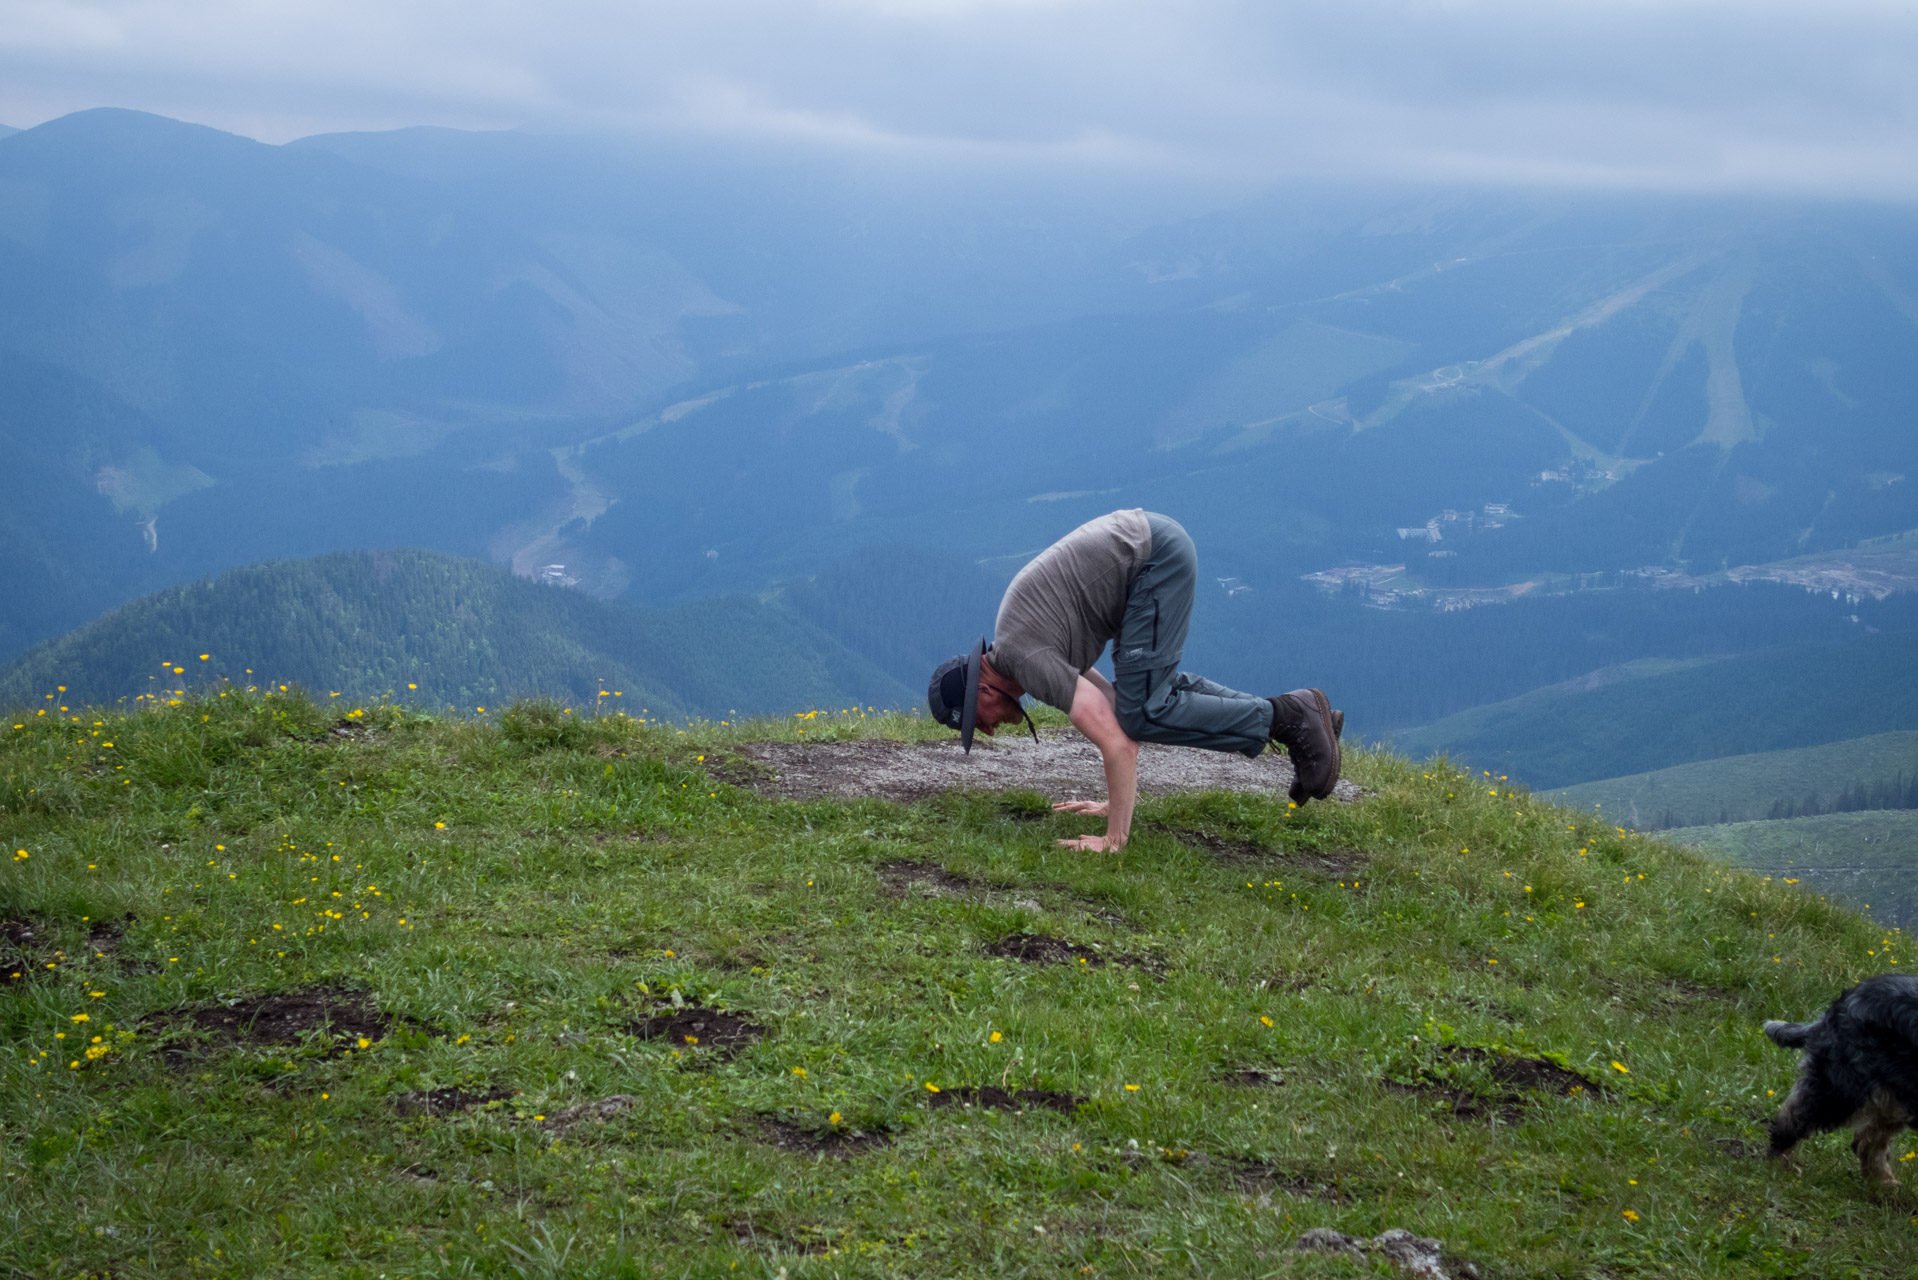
x,y
1065,606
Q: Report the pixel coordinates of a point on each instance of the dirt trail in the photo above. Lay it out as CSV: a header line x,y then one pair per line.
x,y
1061,766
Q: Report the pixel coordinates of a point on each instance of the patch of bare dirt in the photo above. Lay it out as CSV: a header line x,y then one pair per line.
x,y
1039,948
1462,1103
835,1140
447,1101
1256,1077
1512,1071
103,939
693,1027
1062,765
1515,1083
289,1017
904,878
992,1098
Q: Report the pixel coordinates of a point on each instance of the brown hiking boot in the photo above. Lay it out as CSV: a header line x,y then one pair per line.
x,y
1304,723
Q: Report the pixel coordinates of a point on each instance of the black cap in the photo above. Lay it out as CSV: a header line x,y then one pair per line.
x,y
953,694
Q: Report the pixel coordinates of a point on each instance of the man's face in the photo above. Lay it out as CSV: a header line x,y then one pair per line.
x,y
996,707
998,699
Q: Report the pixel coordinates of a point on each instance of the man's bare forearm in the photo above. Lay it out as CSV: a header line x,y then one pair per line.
x,y
1122,792
1092,715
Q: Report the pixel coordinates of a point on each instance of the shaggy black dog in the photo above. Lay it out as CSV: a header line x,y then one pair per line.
x,y
1860,1069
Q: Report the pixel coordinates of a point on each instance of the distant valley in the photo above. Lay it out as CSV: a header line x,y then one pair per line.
x,y
1575,489
249,352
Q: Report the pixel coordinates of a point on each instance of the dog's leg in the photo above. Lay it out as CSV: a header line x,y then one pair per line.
x,y
1879,1123
1872,1143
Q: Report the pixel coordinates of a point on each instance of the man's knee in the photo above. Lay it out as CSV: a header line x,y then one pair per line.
x,y
1132,720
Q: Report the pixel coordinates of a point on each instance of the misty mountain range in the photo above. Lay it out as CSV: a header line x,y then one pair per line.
x,y
660,374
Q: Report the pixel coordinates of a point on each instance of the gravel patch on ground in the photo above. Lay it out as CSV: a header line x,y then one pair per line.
x,y
1061,766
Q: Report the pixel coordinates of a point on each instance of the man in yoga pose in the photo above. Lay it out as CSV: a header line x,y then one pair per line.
x,y
1126,577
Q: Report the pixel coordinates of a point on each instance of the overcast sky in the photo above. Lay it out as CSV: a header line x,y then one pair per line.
x,y
1806,95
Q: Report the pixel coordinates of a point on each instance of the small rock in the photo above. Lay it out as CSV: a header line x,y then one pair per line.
x,y
1415,1255
1418,1255
1326,1240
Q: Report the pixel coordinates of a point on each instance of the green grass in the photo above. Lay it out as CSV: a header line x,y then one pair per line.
x,y
1868,858
520,893
1744,788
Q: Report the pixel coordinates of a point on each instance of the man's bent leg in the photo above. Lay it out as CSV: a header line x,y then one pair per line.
x,y
1178,709
1156,702
1158,607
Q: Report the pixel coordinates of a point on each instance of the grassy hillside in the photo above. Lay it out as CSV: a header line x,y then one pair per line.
x,y
438,630
1676,713
1868,859
608,1014
1748,787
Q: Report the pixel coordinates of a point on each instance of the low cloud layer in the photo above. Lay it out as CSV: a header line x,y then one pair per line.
x,y
1639,94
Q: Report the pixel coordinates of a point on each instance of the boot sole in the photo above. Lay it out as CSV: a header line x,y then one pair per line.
x,y
1338,752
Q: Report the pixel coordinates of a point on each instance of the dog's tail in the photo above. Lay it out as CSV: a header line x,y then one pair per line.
x,y
1790,1035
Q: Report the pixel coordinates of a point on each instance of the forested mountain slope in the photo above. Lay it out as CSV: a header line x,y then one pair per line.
x,y
435,630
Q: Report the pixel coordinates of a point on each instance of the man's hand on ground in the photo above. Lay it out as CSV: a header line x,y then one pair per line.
x,y
1093,808
1093,844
